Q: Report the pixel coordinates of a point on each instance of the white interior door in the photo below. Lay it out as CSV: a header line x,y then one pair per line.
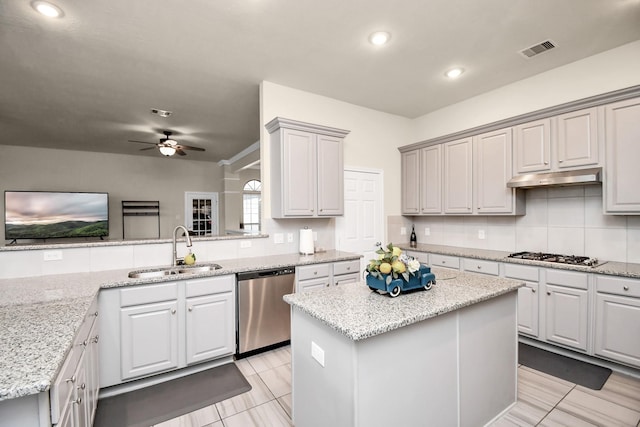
x,y
362,225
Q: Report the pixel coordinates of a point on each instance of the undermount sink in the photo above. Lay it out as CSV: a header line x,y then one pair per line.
x,y
173,271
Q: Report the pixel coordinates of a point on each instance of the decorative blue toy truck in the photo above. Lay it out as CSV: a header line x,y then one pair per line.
x,y
423,278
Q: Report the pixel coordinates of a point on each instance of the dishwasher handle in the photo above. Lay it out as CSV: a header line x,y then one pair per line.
x,y
265,273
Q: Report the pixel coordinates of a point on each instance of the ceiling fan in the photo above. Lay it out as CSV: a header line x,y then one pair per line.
x,y
168,146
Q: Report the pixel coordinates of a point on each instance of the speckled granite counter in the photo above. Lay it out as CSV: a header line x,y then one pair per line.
x,y
358,313
39,316
611,268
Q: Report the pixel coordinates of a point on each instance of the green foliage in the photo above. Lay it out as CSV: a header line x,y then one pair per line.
x,y
56,230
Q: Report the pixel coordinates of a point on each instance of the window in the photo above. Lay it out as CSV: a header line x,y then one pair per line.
x,y
251,194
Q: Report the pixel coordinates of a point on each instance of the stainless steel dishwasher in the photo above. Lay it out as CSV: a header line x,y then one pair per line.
x,y
264,319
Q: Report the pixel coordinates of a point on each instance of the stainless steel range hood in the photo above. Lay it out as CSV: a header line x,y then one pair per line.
x,y
557,179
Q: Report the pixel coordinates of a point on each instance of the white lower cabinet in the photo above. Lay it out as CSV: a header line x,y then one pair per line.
x,y
567,308
74,393
528,297
151,329
618,319
318,276
149,338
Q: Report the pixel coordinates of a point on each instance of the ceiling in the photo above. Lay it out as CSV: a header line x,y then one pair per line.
x,y
87,81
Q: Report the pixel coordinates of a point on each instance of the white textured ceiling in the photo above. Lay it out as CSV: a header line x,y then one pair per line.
x,y
87,81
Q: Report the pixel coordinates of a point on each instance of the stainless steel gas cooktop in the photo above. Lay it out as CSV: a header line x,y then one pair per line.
x,y
561,259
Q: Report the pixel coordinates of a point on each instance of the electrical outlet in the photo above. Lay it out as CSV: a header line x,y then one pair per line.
x,y
427,231
278,238
245,244
290,237
52,255
403,231
481,234
317,353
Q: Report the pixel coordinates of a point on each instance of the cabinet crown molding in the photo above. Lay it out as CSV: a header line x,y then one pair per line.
x,y
280,122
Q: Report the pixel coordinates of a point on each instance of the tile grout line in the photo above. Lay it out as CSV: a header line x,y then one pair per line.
x,y
557,403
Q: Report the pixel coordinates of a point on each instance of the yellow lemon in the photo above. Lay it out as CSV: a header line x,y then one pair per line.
x,y
385,268
190,259
396,251
398,267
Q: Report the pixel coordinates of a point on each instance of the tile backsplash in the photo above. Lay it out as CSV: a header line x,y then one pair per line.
x,y
567,220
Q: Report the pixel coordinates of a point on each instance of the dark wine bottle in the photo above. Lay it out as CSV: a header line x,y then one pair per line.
x,y
413,241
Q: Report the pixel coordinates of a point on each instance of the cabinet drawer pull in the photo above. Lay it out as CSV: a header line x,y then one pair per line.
x,y
78,401
95,314
348,268
479,267
533,291
95,339
546,163
173,311
328,284
82,386
560,160
85,343
190,308
626,288
315,273
71,380
548,293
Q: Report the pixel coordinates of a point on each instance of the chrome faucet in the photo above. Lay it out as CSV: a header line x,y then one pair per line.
x,y
177,260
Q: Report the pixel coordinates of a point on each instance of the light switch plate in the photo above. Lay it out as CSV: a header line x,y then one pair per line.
x,y
290,237
278,238
427,231
403,231
245,244
481,234
317,353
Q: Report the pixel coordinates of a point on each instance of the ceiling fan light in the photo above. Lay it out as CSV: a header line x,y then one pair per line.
x,y
167,150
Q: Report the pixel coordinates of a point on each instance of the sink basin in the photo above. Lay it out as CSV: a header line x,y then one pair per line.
x,y
173,271
199,269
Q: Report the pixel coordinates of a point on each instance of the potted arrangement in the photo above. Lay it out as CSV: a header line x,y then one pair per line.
x,y
394,271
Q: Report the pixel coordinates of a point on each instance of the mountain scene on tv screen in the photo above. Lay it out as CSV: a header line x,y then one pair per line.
x,y
58,229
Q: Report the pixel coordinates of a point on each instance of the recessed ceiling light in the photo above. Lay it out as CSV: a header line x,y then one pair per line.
x,y
379,38
47,9
454,73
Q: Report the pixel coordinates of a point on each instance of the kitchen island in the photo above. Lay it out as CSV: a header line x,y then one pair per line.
x,y
447,356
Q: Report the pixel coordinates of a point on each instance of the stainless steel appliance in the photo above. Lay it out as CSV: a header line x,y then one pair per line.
x,y
562,259
264,319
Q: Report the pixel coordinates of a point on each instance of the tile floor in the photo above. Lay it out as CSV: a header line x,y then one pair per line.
x,y
543,400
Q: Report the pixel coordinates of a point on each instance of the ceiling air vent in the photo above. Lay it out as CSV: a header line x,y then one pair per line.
x,y
537,49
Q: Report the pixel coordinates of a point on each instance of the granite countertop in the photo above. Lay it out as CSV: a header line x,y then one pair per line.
x,y
611,268
40,316
359,313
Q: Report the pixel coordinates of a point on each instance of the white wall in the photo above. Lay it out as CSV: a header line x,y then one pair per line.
x,y
566,221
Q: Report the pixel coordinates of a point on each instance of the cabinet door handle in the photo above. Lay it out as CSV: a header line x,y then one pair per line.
x,y
560,160
78,401
173,311
96,314
190,308
548,293
85,343
95,339
546,163
533,291
82,386
626,288
328,284
71,380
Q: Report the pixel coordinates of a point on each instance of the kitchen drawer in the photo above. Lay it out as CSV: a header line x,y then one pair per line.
x,y
445,261
346,278
346,267
479,266
209,285
570,279
618,286
148,294
522,272
314,271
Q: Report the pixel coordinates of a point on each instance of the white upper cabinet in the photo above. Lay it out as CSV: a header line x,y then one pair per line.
x,y
577,138
492,165
306,169
566,141
533,146
431,180
410,164
622,170
458,176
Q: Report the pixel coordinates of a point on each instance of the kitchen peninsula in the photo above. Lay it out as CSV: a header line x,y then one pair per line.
x,y
446,356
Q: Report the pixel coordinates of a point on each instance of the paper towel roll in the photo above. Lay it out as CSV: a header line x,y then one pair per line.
x,y
306,241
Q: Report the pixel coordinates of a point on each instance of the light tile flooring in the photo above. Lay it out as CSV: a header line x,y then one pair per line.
x,y
543,400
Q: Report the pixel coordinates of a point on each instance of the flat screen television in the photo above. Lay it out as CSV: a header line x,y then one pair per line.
x,y
55,214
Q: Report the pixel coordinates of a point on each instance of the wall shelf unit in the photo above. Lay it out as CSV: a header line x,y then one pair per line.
x,y
140,208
